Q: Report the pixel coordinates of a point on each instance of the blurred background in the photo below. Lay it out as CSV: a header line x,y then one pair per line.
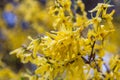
x,y
22,18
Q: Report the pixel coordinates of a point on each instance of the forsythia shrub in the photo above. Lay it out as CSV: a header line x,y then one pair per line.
x,y
74,50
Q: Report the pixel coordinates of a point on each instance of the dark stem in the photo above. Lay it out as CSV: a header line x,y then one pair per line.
x,y
92,55
108,70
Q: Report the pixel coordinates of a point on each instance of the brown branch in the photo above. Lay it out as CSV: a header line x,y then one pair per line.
x,y
107,69
92,55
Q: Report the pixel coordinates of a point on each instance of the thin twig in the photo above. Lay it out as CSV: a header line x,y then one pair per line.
x,y
92,52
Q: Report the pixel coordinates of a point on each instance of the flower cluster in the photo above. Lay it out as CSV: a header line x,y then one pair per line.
x,y
74,50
